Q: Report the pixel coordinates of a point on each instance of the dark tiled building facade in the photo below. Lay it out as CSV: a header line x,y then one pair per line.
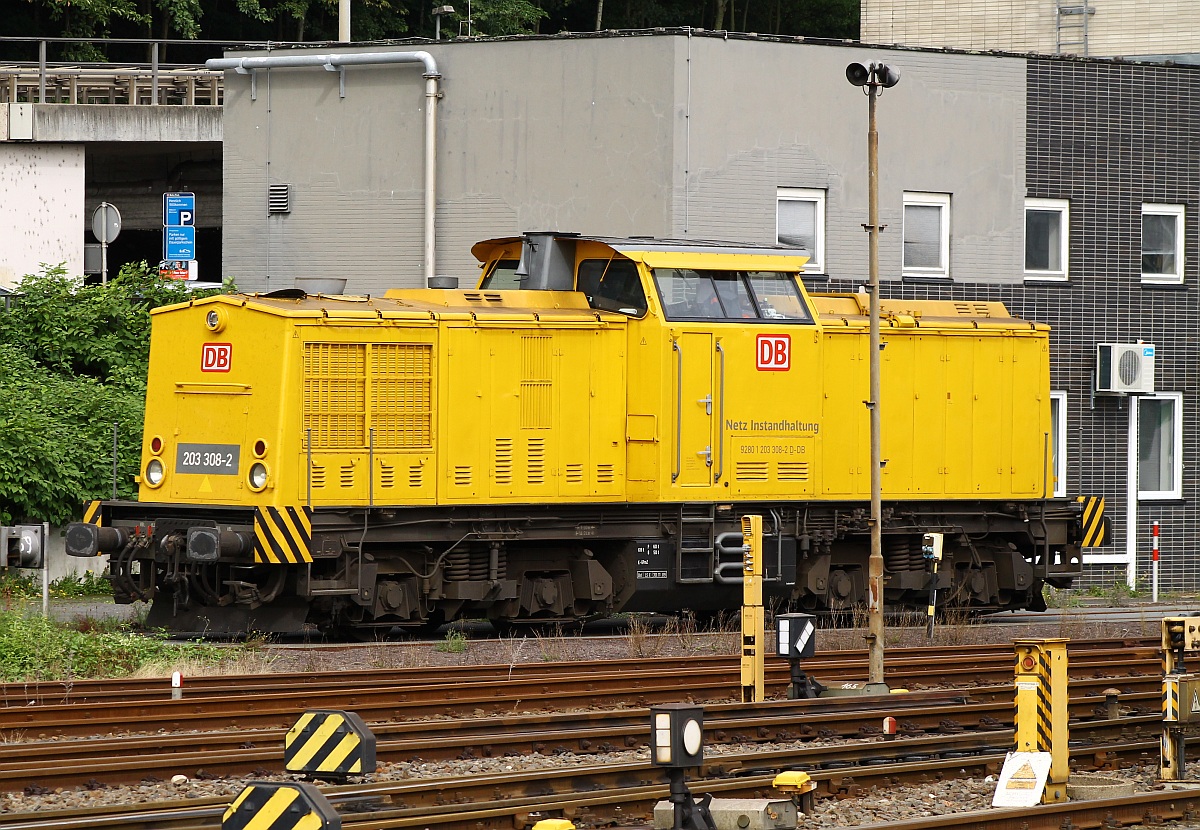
x,y
1108,137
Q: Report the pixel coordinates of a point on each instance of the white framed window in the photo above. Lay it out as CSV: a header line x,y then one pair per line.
x,y
1058,442
927,234
1046,224
800,221
1162,243
1160,445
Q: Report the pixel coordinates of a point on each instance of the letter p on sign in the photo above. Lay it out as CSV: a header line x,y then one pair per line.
x,y
774,352
216,357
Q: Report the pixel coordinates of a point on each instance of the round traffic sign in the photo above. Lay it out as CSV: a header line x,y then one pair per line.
x,y
106,222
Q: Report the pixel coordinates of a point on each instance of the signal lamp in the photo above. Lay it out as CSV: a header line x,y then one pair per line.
x,y
677,735
260,448
156,445
795,636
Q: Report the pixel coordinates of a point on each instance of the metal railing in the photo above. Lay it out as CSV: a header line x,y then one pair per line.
x,y
149,82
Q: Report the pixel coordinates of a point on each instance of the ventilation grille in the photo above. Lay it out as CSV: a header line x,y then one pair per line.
x,y
416,475
347,476
387,476
503,465
343,398
574,474
317,476
972,309
536,403
335,387
604,473
536,454
793,471
462,476
401,389
279,198
751,471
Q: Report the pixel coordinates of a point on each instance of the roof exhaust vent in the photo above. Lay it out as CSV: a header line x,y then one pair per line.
x,y
547,262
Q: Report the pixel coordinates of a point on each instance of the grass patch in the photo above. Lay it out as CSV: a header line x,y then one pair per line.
x,y
455,642
25,585
34,648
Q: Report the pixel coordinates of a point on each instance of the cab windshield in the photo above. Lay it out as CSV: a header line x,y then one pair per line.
x,y
688,294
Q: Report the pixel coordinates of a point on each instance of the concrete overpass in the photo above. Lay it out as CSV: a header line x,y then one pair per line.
x,y
61,156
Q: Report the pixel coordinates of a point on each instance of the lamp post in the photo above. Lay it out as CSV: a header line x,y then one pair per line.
x,y
438,11
873,77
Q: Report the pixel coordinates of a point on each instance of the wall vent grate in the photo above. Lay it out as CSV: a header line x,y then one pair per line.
x,y
279,198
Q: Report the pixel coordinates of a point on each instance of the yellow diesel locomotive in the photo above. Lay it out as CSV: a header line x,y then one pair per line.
x,y
579,435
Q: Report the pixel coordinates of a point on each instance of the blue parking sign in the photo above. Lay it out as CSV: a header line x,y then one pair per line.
x,y
179,209
179,242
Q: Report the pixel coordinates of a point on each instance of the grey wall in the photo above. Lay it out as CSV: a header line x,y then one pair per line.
x,y
653,134
768,115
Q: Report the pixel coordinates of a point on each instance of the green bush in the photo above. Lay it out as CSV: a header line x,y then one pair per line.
x,y
34,648
75,359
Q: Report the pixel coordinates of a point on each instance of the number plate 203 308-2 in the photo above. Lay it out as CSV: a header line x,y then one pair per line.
x,y
207,459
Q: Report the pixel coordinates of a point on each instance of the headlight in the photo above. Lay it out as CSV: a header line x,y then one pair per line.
x,y
154,473
258,476
216,318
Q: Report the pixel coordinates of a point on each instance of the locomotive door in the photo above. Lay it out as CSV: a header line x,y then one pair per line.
x,y
695,409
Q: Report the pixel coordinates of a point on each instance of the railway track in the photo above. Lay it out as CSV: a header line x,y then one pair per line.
x,y
607,794
263,702
946,729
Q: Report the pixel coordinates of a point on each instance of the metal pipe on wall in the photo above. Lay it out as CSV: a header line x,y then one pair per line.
x,y
334,61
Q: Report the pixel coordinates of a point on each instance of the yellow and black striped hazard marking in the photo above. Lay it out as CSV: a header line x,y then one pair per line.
x,y
1095,523
1170,700
329,742
282,535
265,805
1045,728
91,514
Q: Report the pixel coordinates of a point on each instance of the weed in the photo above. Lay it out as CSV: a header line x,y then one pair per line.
x,y
35,648
455,643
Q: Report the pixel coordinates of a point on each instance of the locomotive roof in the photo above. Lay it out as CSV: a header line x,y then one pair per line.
x,y
633,245
416,303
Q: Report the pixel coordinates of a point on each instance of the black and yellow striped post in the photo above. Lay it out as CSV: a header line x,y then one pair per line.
x,y
329,743
1094,523
753,620
1041,718
267,805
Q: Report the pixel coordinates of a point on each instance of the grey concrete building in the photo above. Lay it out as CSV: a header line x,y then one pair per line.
x,y
1066,188
674,134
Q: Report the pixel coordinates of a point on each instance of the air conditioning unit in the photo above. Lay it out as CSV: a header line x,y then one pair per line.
x,y
1125,368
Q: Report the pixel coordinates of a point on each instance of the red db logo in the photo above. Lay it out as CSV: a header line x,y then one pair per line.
x,y
774,352
216,357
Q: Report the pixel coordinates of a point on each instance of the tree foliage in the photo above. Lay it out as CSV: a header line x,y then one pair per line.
x,y
241,21
75,360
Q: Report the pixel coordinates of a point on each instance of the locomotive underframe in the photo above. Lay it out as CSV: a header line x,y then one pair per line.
x,y
417,567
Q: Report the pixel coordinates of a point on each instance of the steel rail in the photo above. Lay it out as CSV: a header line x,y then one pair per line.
x,y
51,692
626,790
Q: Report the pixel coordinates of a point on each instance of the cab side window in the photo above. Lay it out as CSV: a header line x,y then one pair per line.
x,y
730,295
612,285
688,294
501,276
